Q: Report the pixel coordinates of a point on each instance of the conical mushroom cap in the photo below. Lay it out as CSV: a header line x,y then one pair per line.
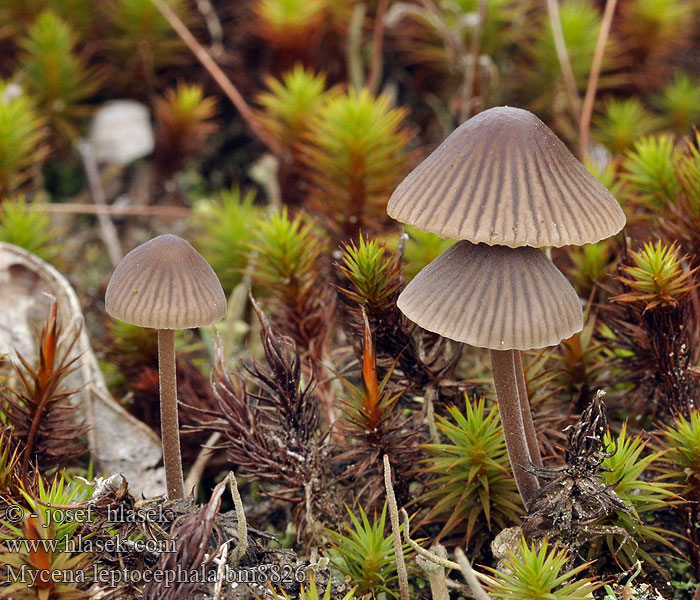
x,y
494,297
503,177
165,284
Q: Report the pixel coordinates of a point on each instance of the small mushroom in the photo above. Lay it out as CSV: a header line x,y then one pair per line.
x,y
506,300
166,284
505,180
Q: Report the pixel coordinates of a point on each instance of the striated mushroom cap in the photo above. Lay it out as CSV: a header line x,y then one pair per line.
x,y
494,297
503,177
165,284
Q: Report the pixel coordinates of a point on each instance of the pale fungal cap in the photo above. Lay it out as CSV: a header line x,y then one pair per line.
x,y
494,297
504,178
165,284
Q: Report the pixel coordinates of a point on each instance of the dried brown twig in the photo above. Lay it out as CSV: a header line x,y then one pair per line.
x,y
166,212
219,76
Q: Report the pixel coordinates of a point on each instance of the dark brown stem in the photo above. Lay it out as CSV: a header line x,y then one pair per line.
x,y
533,445
169,426
505,380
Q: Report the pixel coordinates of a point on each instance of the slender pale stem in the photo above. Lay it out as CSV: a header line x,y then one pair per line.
x,y
394,519
169,426
375,67
470,576
529,425
563,56
506,382
587,110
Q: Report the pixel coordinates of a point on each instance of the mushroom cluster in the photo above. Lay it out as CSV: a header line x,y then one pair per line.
x,y
167,285
505,186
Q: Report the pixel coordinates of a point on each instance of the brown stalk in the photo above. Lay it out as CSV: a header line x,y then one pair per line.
x,y
587,110
528,423
505,379
169,425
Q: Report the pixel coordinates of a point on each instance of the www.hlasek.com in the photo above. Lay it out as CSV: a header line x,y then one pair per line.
x,y
80,543
261,574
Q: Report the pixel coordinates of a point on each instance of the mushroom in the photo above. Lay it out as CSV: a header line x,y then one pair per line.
x,y
503,180
166,284
503,177
506,300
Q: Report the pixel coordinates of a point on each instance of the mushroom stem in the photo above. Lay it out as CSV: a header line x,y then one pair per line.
x,y
169,426
505,378
529,425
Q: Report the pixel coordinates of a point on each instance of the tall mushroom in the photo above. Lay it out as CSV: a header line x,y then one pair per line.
x,y
503,181
166,284
503,299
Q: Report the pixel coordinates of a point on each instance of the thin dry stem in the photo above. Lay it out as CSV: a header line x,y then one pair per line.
x,y
197,470
430,394
587,110
473,64
166,212
375,68
216,32
443,562
696,595
436,573
470,576
107,229
221,571
241,521
218,75
394,518
353,54
563,56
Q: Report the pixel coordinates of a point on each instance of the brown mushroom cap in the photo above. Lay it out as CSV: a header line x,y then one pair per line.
x,y
503,177
494,297
165,284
